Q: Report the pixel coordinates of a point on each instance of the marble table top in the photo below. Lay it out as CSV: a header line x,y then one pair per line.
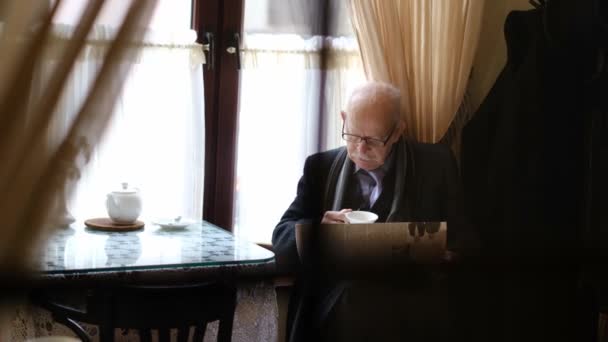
x,y
80,250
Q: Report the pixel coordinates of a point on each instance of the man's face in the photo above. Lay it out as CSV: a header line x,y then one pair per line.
x,y
375,128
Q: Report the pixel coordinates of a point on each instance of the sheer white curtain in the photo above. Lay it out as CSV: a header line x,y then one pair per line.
x,y
344,72
279,119
279,92
155,140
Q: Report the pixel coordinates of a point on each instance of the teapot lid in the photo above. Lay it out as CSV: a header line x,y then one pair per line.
x,y
125,189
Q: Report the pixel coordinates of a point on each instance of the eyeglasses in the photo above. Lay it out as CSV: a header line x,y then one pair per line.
x,y
369,141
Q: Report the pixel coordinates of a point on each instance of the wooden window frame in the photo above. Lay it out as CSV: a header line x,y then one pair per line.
x,y
221,18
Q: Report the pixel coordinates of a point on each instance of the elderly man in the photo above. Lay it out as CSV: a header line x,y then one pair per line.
x,y
378,170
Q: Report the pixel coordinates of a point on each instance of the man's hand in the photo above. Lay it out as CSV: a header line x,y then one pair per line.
x,y
335,216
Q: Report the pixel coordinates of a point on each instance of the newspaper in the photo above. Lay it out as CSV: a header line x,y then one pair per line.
x,y
376,243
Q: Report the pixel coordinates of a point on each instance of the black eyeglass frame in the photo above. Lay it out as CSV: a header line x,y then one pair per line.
x,y
360,139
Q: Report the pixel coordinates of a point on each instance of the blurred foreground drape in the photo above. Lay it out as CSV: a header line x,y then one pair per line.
x,y
424,47
33,171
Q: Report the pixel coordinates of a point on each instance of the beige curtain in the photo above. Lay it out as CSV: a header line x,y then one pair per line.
x,y
33,171
424,47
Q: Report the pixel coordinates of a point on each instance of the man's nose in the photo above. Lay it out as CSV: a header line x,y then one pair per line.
x,y
362,145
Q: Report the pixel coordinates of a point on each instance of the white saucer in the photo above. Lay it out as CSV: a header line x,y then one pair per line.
x,y
173,223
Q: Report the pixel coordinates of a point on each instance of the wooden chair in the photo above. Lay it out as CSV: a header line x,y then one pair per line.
x,y
148,308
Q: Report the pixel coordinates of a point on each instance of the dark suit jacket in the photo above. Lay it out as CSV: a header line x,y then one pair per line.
x,y
432,193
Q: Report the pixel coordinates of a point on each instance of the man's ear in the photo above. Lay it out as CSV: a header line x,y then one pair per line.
x,y
343,115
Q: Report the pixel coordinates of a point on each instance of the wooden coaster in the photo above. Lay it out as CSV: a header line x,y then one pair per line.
x,y
106,224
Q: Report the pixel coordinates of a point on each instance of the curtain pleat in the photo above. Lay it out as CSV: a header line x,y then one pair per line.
x,y
424,47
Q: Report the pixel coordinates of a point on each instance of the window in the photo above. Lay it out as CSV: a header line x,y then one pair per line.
x,y
155,140
264,118
279,104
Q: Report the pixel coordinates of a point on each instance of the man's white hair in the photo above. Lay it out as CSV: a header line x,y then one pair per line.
x,y
381,94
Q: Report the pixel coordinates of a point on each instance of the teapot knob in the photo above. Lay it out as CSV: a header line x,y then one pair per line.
x,y
125,185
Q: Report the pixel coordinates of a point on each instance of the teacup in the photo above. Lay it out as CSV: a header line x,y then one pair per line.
x,y
360,216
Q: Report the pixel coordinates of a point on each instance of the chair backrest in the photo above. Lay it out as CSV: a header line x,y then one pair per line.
x,y
150,308
161,308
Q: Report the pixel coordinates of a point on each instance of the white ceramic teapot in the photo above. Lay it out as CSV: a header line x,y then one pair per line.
x,y
124,205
